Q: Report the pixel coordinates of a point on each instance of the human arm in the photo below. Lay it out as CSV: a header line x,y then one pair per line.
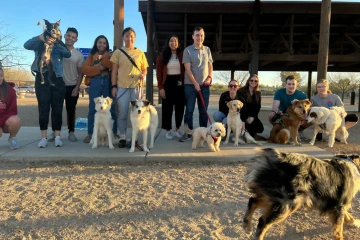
x,y
105,61
191,76
89,69
32,43
208,80
275,108
65,53
114,79
159,75
11,107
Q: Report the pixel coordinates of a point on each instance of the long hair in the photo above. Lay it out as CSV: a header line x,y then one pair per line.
x,y
247,90
95,49
167,51
3,88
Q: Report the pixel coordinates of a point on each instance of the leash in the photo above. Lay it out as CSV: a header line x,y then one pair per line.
x,y
140,93
203,102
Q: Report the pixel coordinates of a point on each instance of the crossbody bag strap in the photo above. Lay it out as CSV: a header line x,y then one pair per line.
x,y
130,59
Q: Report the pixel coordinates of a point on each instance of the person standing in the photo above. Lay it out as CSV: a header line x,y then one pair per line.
x,y
72,78
127,76
9,121
198,65
170,78
97,66
252,95
49,95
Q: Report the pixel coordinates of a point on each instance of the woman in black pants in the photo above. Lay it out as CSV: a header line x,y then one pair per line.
x,y
170,78
252,95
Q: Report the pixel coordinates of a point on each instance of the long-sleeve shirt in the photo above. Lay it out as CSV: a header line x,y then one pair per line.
x,y
252,107
8,107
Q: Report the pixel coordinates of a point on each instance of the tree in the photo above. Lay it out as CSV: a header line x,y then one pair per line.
x,y
284,75
224,76
343,83
16,74
10,52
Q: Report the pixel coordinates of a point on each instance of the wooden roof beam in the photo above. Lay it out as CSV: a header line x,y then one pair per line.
x,y
354,43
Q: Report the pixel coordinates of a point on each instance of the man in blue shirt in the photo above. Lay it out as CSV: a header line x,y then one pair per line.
x,y
283,99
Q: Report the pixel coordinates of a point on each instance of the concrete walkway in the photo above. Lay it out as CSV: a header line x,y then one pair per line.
x,y
164,150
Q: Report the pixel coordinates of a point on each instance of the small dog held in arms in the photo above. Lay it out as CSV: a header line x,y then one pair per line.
x,y
288,124
144,118
212,135
235,124
103,123
281,183
51,30
329,121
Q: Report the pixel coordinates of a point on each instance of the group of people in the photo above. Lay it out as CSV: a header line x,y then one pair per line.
x,y
183,77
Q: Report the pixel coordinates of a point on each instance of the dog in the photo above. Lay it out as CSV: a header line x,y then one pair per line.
x,y
234,123
281,183
288,124
144,118
103,123
51,30
212,135
328,121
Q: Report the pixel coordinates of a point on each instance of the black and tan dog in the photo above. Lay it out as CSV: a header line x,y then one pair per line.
x,y
289,123
281,183
51,30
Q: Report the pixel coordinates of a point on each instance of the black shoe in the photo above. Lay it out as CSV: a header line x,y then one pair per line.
x,y
185,137
122,143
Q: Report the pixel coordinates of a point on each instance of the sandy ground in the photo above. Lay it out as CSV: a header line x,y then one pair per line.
x,y
65,200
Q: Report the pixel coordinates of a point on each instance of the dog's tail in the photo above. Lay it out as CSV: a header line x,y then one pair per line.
x,y
271,175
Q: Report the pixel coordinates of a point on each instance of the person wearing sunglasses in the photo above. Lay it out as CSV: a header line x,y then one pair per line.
x,y
225,97
252,95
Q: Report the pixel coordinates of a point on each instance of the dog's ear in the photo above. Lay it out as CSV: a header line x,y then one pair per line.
x,y
228,104
146,102
320,114
133,103
96,100
46,22
109,100
308,102
241,103
58,22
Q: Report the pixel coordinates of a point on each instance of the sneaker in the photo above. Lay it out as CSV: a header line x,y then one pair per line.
x,y
51,137
58,142
168,135
185,137
178,134
87,139
43,143
13,143
302,137
72,137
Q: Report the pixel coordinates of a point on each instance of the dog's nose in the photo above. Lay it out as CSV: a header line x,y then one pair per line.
x,y
238,109
101,108
139,111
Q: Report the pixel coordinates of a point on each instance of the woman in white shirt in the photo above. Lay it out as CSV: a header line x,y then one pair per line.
x,y
170,78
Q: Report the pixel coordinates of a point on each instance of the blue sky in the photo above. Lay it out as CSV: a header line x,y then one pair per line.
x,y
90,17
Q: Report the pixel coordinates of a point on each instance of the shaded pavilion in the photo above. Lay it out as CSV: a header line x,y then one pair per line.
x,y
259,35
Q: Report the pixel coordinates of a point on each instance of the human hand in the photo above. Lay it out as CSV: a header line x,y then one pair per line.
x,y
75,92
1,131
142,76
114,92
162,93
197,87
99,57
250,120
243,126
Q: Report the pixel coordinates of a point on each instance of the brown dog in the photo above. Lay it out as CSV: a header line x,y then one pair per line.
x,y
289,123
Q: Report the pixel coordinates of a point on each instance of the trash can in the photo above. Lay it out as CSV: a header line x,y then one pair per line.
x,y
352,98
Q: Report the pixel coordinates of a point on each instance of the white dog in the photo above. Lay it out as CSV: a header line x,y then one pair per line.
x,y
212,135
235,124
330,122
103,123
143,117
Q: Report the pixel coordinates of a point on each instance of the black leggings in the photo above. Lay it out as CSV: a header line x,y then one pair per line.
x,y
49,96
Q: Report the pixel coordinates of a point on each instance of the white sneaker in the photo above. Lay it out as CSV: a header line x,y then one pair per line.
x,y
51,137
58,142
168,135
178,134
43,143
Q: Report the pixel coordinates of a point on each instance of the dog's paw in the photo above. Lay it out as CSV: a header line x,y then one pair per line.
x,y
312,142
258,143
146,149
94,146
151,146
226,143
357,223
298,144
235,145
131,150
111,146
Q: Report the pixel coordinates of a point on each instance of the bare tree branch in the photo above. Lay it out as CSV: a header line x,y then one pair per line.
x,y
225,76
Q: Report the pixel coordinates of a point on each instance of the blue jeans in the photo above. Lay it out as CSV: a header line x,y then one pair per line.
x,y
190,98
99,86
126,96
220,117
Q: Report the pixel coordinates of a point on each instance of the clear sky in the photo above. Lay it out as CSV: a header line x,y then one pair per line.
x,y
90,17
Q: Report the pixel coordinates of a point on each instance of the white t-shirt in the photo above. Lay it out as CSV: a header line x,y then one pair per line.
x,y
71,65
173,66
